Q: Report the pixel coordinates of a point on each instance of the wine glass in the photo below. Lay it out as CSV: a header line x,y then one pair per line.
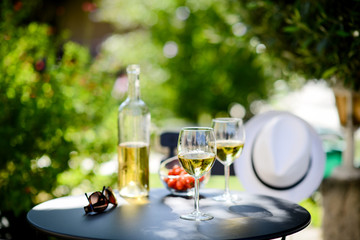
x,y
196,153
230,139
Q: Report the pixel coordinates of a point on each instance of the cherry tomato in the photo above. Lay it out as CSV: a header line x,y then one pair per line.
x,y
202,178
183,182
180,185
172,183
176,167
189,181
182,179
176,171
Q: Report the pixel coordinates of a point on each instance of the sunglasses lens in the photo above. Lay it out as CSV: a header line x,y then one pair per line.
x,y
100,206
95,198
98,201
110,195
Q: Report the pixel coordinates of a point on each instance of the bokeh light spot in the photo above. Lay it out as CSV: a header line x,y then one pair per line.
x,y
170,49
182,13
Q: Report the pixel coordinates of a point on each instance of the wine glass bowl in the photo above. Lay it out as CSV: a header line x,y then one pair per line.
x,y
170,178
228,150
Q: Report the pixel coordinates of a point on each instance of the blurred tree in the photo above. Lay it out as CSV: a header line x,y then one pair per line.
x,y
52,101
319,39
200,48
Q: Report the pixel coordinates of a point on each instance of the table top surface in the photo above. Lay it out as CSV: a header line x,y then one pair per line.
x,y
158,217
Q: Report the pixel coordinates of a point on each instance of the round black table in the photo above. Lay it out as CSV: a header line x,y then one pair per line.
x,y
157,217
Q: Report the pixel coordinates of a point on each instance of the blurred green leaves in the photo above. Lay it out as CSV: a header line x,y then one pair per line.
x,y
319,39
51,103
195,55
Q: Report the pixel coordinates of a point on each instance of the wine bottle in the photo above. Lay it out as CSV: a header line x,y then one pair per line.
x,y
133,140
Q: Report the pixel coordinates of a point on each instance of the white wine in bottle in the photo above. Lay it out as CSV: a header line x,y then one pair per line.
x,y
134,140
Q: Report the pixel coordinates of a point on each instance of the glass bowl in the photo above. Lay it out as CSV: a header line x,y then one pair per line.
x,y
176,180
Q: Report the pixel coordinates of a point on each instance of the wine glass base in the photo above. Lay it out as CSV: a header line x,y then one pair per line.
x,y
197,216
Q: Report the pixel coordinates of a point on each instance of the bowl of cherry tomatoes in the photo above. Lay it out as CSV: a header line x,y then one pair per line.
x,y
177,180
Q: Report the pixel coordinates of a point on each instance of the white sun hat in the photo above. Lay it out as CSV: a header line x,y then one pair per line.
x,y
282,157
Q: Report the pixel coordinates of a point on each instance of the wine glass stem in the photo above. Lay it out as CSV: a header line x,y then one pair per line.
x,y
227,174
197,185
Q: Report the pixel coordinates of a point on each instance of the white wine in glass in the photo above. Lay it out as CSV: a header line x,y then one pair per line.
x,y
230,139
196,153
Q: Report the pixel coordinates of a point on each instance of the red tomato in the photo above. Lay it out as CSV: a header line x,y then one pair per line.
x,y
177,171
172,183
171,172
202,178
189,181
184,181
180,185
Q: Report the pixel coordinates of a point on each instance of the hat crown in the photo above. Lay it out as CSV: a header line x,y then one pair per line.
x,y
281,152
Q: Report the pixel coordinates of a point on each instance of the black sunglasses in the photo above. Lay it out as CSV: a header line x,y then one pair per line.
x,y
99,201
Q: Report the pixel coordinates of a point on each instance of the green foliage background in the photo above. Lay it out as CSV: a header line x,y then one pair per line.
x,y
212,68
319,39
51,108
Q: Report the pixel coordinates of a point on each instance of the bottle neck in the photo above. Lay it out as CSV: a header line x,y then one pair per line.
x,y
134,86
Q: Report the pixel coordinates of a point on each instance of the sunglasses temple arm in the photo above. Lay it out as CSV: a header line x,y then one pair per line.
x,y
89,202
102,192
87,197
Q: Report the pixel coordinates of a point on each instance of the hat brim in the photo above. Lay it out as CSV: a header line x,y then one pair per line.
x,y
246,175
